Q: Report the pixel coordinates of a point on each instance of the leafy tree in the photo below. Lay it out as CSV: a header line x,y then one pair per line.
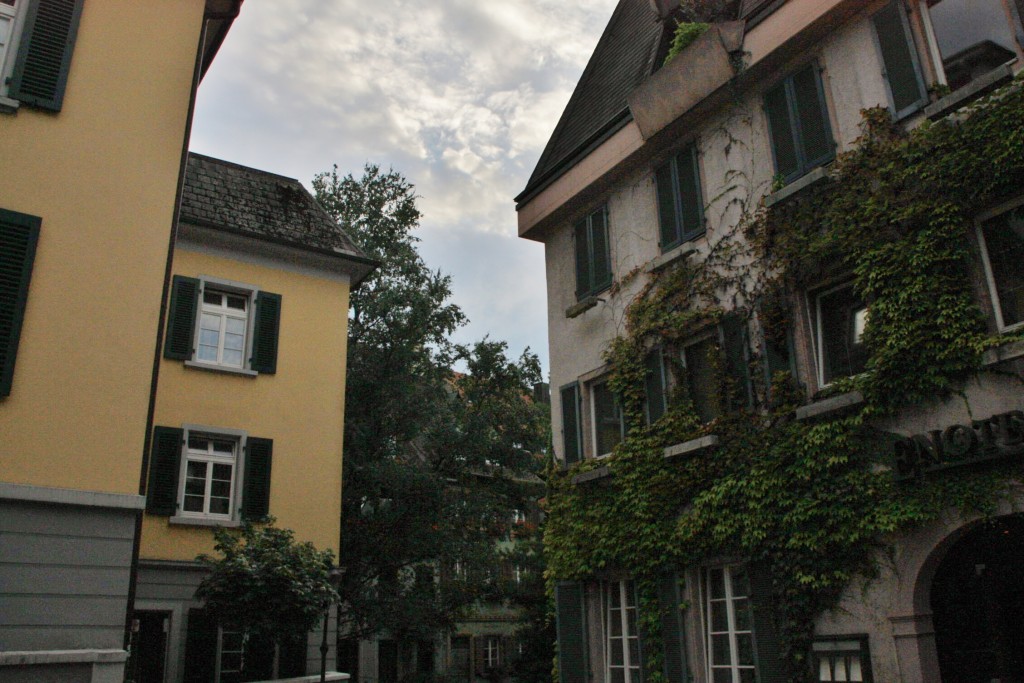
x,y
433,458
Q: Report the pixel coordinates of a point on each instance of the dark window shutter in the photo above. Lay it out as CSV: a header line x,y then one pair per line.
x,y
256,489
812,114
19,235
643,637
667,214
780,128
602,255
258,658
655,386
571,629
734,338
44,56
266,333
181,318
582,246
898,58
292,660
200,647
767,651
479,652
164,470
672,630
691,203
571,437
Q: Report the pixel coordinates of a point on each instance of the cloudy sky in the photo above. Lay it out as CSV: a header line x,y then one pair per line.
x,y
459,96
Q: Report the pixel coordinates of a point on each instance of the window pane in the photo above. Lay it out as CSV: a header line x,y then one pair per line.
x,y
741,611
815,132
634,652
237,302
895,45
719,616
1004,239
740,581
235,326
654,386
615,594
196,470
716,579
667,216
702,379
582,245
618,676
776,107
602,258
723,676
232,358
616,651
220,506
607,420
615,623
222,447
843,354
745,648
720,651
193,503
631,621
748,676
974,37
690,200
213,298
197,443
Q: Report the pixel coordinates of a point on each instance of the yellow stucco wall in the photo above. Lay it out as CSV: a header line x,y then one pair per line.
x,y
102,174
301,407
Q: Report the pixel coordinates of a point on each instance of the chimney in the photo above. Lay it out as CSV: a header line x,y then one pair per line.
x,y
663,8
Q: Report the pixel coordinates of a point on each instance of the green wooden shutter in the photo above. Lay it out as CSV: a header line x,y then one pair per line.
x,y
780,129
582,246
899,58
654,386
767,651
266,333
256,489
816,143
691,200
570,625
734,338
164,471
44,56
667,213
181,318
19,235
572,439
601,249
672,630
200,647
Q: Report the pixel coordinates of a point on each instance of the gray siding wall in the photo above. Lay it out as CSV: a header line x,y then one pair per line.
x,y
63,576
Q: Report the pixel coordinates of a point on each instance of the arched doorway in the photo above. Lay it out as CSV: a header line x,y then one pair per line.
x,y
977,600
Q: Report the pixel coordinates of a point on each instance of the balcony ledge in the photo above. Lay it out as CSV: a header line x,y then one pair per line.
x,y
975,88
805,181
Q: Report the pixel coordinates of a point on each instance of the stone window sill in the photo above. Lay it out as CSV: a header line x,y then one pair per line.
x,y
1000,354
796,187
675,255
593,475
975,88
830,407
691,447
221,368
581,307
179,520
8,106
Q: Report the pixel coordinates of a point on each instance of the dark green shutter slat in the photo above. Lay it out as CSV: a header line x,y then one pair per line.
x,y
776,107
767,650
815,131
582,244
667,216
571,423
691,203
256,489
734,337
19,235
164,470
601,251
266,332
200,647
44,55
654,386
901,70
570,626
181,318
672,630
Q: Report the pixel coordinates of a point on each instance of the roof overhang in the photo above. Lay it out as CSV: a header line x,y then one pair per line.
x,y
219,15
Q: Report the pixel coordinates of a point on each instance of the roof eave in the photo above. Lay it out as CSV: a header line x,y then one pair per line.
x,y
219,16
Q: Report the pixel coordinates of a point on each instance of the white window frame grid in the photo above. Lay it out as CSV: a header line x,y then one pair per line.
x,y
990,279
9,52
592,390
492,652
933,44
627,601
229,287
734,666
817,337
239,437
219,668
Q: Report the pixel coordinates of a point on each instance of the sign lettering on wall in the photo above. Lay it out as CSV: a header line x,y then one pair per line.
x,y
996,438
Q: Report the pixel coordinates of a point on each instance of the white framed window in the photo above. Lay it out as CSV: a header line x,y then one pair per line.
x,y
230,655
841,318
223,326
608,420
518,517
968,38
1001,235
517,574
622,639
728,619
211,473
492,652
12,16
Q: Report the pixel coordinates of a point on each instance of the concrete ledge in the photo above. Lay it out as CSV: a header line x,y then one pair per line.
x,y
329,676
796,187
692,447
1000,354
581,307
8,106
975,88
245,372
179,520
830,407
39,657
669,257
592,475
96,499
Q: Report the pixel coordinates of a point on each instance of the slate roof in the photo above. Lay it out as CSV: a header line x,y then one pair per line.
x,y
624,56
239,199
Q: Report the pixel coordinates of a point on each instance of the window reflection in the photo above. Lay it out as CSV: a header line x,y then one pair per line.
x,y
973,37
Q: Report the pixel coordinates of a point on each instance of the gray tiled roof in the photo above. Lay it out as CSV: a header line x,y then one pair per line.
x,y
624,56
220,194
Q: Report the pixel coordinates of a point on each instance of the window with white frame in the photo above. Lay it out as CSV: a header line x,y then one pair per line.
x,y
841,319
223,327
729,632
622,640
1002,242
609,423
230,655
492,652
969,38
12,13
210,475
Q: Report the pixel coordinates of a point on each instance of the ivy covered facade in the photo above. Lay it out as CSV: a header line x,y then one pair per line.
x,y
785,305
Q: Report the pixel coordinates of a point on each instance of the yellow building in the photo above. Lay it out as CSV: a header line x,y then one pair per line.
x,y
95,106
250,407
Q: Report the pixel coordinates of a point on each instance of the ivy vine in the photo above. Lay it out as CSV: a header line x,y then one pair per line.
x,y
810,502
